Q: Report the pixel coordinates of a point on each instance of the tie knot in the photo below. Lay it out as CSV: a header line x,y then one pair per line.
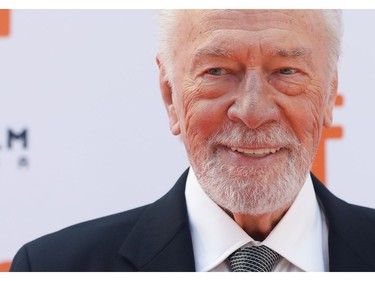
x,y
254,259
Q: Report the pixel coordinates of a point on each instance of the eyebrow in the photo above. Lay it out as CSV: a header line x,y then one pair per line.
x,y
212,52
292,53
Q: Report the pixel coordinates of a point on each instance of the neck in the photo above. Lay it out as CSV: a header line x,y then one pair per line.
x,y
259,227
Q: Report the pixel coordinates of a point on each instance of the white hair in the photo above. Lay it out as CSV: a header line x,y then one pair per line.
x,y
167,20
168,35
334,31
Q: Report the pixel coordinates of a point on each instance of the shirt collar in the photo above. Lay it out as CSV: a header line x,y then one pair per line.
x,y
215,235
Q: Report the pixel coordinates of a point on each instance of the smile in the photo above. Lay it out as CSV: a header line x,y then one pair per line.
x,y
256,152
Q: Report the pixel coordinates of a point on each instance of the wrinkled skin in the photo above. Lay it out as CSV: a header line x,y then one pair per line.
x,y
250,70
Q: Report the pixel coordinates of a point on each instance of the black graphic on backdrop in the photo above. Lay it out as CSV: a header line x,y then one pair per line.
x,y
16,142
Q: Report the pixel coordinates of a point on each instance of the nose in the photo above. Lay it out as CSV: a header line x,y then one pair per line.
x,y
253,104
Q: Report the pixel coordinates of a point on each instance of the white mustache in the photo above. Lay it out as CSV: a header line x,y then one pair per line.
x,y
268,135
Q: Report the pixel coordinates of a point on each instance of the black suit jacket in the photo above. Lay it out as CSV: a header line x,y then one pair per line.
x,y
156,237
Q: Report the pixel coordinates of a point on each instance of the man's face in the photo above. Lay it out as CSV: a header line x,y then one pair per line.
x,y
251,93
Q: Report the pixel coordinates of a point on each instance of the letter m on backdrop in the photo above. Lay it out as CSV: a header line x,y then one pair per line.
x,y
4,22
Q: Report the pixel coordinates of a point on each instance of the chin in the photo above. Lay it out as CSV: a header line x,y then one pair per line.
x,y
254,191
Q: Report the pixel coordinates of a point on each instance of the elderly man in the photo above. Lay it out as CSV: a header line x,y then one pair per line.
x,y
248,92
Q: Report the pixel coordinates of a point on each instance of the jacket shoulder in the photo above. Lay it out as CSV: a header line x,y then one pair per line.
x,y
88,246
339,209
351,232
135,240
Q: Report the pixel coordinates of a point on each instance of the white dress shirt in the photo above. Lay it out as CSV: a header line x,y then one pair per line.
x,y
301,236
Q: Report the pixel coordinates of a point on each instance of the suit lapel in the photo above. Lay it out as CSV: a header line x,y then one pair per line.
x,y
350,238
160,240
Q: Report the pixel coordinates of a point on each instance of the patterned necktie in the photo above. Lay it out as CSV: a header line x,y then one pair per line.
x,y
254,259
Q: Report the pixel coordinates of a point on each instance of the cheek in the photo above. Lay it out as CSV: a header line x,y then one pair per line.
x,y
304,115
202,117
203,106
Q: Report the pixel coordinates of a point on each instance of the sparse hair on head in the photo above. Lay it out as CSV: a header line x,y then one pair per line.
x,y
168,20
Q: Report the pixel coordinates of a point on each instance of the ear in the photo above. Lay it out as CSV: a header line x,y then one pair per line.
x,y
168,99
331,99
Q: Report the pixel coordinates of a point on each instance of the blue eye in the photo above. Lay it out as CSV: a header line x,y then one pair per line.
x,y
216,71
287,71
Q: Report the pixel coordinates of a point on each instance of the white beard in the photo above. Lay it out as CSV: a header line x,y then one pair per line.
x,y
246,190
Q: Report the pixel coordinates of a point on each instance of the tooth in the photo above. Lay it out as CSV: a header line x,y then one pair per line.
x,y
263,151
